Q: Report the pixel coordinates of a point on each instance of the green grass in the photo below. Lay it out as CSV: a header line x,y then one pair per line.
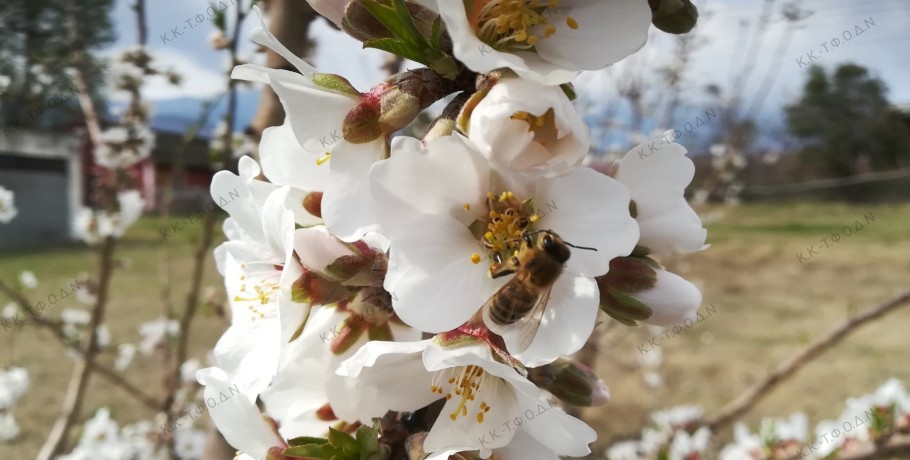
x,y
769,305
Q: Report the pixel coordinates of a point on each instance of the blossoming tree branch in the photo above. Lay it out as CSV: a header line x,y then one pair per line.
x,y
404,297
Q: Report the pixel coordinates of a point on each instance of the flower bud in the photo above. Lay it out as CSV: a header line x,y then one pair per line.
x,y
312,203
672,299
330,9
571,382
361,125
627,275
673,16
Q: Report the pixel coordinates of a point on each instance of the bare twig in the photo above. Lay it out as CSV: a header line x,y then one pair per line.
x,y
742,404
112,376
78,385
896,447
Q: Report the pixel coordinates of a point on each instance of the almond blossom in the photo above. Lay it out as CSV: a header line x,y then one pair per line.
x,y
481,393
546,42
441,233
523,126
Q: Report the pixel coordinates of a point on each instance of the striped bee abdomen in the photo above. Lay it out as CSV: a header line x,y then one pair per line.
x,y
512,303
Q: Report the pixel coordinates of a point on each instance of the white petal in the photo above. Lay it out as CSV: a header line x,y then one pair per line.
x,y
588,209
567,324
262,36
525,447
552,427
347,206
284,162
482,58
465,431
608,31
434,284
318,248
316,114
438,179
236,416
657,173
673,299
393,372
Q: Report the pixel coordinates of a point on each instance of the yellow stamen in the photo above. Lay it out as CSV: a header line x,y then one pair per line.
x,y
475,258
324,159
572,23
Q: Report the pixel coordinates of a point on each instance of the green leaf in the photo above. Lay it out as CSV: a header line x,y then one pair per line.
x,y
388,17
414,37
304,440
436,34
344,442
309,451
368,439
399,48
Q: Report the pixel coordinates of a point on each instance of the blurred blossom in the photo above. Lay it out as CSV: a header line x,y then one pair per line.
x,y
92,226
13,384
686,446
154,332
28,279
10,310
7,206
9,429
218,41
189,443
104,335
4,83
125,354
677,417
188,370
626,450
74,316
85,296
102,439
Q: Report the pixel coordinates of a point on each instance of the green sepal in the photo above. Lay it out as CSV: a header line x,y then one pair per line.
x,y
304,440
310,451
398,48
368,440
335,83
344,442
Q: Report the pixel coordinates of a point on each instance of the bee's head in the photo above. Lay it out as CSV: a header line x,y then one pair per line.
x,y
549,243
552,244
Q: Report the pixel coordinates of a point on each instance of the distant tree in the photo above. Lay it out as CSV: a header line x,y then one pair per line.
x,y
846,124
37,48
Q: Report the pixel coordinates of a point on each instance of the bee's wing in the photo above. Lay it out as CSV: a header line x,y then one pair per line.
x,y
525,329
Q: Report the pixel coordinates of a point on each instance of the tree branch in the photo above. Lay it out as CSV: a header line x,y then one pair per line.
x,y
75,395
742,404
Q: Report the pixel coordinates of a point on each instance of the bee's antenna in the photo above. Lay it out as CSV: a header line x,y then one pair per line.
x,y
567,243
579,247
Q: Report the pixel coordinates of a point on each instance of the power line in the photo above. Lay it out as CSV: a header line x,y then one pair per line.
x,y
828,183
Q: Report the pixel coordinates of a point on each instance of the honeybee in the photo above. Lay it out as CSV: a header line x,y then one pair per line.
x,y
537,265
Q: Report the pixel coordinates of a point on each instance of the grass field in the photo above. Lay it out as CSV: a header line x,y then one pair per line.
x,y
768,304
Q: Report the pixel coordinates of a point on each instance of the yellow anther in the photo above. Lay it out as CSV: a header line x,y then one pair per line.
x,y
549,31
571,22
534,218
324,159
475,258
533,39
467,207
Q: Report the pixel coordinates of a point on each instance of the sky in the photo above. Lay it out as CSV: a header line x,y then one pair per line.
x,y
725,27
